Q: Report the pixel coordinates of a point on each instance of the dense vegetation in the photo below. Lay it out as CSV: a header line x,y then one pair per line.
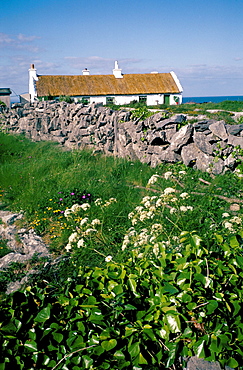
x,y
150,262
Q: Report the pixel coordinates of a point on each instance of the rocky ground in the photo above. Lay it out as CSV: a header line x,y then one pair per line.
x,y
25,244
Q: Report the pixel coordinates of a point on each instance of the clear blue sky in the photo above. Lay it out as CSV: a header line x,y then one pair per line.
x,y
201,41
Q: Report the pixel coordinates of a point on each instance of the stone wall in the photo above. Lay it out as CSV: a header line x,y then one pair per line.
x,y
207,145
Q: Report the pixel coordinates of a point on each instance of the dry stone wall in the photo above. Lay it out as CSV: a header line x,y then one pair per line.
x,y
207,144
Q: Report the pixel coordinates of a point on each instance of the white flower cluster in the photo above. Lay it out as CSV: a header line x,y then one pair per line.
x,y
152,206
238,173
99,202
76,208
84,229
231,223
153,179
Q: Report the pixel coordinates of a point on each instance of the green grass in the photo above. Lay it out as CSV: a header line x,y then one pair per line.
x,y
39,179
161,267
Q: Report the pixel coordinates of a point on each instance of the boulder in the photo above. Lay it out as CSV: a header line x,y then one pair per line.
x,y
219,130
181,137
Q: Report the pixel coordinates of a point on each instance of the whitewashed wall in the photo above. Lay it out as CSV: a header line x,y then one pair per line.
x,y
153,99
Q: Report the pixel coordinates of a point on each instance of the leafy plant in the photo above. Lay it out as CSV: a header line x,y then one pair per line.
x,y
65,98
4,249
141,113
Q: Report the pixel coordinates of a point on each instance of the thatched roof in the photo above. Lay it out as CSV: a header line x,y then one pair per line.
x,y
95,85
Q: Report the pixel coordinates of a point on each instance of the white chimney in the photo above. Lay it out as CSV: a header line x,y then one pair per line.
x,y
85,72
32,83
117,72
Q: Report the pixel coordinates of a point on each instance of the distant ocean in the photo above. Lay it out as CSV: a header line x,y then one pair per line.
x,y
211,99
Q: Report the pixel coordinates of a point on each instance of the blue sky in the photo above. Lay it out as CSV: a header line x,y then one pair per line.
x,y
201,41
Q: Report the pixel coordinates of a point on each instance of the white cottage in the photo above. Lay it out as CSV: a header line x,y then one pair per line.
x,y
152,88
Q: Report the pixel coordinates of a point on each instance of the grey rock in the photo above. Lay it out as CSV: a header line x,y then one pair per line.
x,y
230,162
189,154
234,129
202,143
181,138
196,363
235,141
169,156
219,130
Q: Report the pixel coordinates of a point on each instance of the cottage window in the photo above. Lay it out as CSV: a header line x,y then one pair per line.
x,y
143,99
85,100
110,100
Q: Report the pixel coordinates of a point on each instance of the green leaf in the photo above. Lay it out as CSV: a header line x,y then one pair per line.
x,y
129,331
232,363
142,360
149,333
109,344
31,345
173,322
234,242
211,307
87,361
199,348
119,355
43,315
58,337
169,288
12,327
134,349
129,307
133,285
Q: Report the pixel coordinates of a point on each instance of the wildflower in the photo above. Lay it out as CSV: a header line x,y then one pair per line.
x,y
75,208
84,221
153,179
156,249
228,225
67,212
156,228
236,220
98,202
71,193
109,202
108,258
80,243
89,231
145,199
147,204
169,191
68,247
159,202
184,195
167,175
225,214
173,210
96,221
85,206
138,209
73,237
186,208
130,215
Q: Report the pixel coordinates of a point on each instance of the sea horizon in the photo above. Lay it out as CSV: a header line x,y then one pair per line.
x,y
210,99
